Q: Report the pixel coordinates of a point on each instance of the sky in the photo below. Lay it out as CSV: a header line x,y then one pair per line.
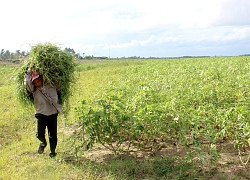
x,y
125,28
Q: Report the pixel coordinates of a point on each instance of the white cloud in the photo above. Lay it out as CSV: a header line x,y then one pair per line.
x,y
233,12
238,34
125,25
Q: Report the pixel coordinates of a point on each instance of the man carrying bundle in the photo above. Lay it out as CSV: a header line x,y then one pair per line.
x,y
47,109
56,72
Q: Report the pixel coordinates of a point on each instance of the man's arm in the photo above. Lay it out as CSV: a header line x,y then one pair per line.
x,y
27,81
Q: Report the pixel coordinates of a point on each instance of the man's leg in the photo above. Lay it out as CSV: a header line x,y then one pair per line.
x,y
41,126
52,131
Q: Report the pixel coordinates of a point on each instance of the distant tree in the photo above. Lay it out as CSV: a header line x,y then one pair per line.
x,y
69,50
17,54
72,51
7,55
23,54
12,56
88,57
2,54
78,56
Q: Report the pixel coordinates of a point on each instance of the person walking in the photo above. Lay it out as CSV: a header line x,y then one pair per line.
x,y
47,109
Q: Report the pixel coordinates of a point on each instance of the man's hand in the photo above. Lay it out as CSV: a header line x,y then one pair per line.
x,y
28,72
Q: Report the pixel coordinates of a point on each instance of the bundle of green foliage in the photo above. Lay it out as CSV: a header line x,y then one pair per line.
x,y
55,66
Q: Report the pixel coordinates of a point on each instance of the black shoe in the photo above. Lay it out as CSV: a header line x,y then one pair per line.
x,y
41,148
52,155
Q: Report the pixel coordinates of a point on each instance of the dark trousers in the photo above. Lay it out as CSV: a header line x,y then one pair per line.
x,y
51,123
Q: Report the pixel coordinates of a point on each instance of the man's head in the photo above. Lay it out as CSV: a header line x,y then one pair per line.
x,y
36,79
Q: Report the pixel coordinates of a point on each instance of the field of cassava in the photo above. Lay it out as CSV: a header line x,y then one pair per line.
x,y
137,119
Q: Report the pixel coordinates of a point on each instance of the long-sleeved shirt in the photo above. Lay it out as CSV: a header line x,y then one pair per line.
x,y
45,98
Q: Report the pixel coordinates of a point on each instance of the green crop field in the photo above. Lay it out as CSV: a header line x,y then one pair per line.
x,y
183,118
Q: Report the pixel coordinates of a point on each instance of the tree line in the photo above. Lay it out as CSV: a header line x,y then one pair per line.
x,y
7,55
17,55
